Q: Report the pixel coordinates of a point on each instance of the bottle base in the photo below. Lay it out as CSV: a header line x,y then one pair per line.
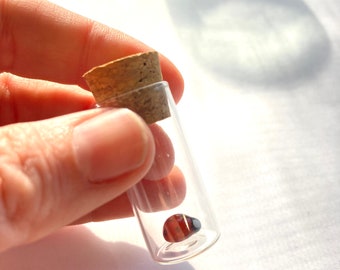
x,y
171,253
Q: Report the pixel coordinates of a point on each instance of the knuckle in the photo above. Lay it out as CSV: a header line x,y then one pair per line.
x,y
22,190
12,170
15,191
34,164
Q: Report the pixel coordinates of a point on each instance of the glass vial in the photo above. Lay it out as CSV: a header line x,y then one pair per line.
x,y
170,203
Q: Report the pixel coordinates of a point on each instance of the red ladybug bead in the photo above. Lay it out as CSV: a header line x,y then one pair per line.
x,y
180,227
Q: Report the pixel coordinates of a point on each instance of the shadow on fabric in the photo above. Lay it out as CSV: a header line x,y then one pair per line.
x,y
78,248
261,42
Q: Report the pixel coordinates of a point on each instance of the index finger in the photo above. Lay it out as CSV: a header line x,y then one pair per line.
x,y
41,40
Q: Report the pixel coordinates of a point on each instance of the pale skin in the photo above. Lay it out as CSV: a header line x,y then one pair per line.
x,y
50,176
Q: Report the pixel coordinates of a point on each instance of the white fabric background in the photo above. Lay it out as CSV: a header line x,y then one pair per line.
x,y
262,111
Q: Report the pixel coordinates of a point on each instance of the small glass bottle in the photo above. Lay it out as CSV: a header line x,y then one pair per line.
x,y
171,203
172,196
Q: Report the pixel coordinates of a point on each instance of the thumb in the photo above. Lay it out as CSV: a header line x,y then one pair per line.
x,y
55,171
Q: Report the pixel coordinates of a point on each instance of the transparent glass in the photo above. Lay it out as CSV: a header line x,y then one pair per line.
x,y
172,189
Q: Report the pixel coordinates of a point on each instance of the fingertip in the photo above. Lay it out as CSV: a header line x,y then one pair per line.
x,y
164,154
173,76
162,194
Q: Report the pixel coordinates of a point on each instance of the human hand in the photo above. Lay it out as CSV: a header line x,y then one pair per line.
x,y
58,165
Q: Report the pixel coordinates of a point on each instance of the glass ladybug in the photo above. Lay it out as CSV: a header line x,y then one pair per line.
x,y
180,227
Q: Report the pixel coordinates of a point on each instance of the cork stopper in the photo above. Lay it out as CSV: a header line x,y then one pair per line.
x,y
131,82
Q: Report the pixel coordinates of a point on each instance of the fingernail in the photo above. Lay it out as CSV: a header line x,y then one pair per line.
x,y
110,144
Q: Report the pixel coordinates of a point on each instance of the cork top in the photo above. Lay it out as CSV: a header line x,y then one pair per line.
x,y
123,75
114,83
